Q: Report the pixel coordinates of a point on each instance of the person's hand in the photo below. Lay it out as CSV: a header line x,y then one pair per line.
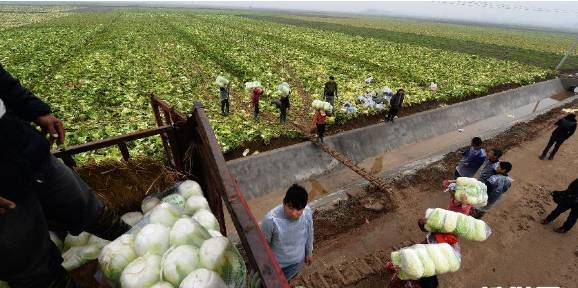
x,y
308,260
53,127
6,204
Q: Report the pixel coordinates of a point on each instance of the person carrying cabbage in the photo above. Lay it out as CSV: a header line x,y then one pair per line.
x,y
37,189
288,229
255,96
472,159
431,238
456,205
224,93
497,184
319,121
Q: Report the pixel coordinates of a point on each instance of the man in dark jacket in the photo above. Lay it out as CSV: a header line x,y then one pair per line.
x,y
566,128
38,188
566,200
395,105
330,90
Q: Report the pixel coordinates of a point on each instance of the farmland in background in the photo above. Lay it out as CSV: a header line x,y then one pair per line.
x,y
96,69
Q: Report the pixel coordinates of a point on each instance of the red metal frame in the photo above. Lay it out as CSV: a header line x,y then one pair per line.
x,y
191,148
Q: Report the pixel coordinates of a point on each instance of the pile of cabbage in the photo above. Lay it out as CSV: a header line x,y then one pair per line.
x,y
425,260
322,105
284,89
252,85
176,244
445,221
221,81
471,191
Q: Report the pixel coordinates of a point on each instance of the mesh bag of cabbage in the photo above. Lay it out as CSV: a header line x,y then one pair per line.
x,y
425,260
471,191
445,221
176,238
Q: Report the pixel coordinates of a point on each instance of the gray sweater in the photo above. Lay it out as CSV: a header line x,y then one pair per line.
x,y
290,240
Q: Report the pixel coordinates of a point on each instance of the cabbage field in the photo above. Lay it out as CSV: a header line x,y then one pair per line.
x,y
97,68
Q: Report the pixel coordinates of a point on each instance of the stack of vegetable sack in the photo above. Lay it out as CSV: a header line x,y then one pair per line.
x,y
326,107
284,89
176,244
425,260
445,221
471,191
252,85
221,81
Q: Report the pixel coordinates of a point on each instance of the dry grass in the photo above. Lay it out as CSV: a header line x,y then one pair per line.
x,y
122,185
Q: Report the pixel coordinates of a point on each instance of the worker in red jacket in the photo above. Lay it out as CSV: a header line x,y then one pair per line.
x,y
257,92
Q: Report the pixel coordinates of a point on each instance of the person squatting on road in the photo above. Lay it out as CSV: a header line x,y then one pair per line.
x,y
38,190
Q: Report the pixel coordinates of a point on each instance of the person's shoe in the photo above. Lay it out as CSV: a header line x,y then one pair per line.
x,y
542,157
560,230
544,222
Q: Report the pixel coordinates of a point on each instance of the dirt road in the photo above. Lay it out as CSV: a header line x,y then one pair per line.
x,y
520,252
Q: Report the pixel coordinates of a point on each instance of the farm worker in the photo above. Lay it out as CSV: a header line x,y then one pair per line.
x,y
490,165
472,159
456,205
566,200
330,90
289,230
284,106
38,188
257,92
566,128
497,184
224,91
395,105
319,122
426,282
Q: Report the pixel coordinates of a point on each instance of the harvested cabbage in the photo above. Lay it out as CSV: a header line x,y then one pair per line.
x,y
411,263
149,203
445,221
207,220
212,254
196,203
178,262
187,231
132,218
143,272
80,240
56,240
165,214
115,256
152,239
203,278
190,188
176,200
163,285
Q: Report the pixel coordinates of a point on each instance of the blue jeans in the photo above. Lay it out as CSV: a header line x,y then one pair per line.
x,y
292,270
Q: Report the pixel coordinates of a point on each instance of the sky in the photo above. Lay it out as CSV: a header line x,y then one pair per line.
x,y
551,14
558,15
